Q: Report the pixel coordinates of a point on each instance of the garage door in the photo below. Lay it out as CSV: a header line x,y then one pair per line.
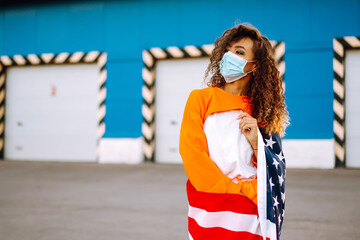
x,y
174,81
352,100
51,112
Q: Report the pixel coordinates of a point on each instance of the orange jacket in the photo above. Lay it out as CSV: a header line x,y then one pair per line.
x,y
202,172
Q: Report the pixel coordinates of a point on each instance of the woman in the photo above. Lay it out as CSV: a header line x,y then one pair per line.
x,y
230,142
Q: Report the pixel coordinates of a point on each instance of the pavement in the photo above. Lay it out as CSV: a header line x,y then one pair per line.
x,y
86,201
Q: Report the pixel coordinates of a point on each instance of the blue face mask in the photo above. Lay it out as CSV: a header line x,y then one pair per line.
x,y
232,67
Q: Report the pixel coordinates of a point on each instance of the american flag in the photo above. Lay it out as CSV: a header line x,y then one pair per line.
x,y
234,216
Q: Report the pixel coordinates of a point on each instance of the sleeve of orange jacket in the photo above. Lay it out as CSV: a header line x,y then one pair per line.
x,y
202,172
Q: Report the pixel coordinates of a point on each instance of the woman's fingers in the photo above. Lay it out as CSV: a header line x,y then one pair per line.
x,y
247,126
242,123
246,121
242,114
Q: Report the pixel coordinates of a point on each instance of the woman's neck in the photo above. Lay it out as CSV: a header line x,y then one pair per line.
x,y
238,87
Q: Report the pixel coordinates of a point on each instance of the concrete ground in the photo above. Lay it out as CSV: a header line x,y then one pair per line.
x,y
85,201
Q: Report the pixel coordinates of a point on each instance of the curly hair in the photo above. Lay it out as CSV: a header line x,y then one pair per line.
x,y
264,88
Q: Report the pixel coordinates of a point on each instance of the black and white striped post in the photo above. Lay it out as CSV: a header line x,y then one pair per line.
x,y
150,57
97,57
340,45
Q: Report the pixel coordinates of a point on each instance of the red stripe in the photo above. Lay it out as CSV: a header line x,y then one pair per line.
x,y
214,202
216,233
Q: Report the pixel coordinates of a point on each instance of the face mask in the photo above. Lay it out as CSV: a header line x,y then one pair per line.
x,y
232,67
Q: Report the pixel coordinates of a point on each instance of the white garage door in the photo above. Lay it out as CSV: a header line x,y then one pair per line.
x,y
352,99
174,81
51,112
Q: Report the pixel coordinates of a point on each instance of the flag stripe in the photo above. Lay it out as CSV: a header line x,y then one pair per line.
x,y
214,202
190,237
261,183
226,219
200,233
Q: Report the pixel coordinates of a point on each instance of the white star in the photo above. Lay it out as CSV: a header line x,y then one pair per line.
x,y
269,143
271,184
283,197
281,180
280,156
275,201
275,163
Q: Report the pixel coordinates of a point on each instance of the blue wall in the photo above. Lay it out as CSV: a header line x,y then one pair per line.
x,y
124,28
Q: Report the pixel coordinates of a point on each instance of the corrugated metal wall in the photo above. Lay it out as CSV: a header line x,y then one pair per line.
x,y
124,28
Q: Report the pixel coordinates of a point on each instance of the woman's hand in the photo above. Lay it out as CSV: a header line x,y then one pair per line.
x,y
248,126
